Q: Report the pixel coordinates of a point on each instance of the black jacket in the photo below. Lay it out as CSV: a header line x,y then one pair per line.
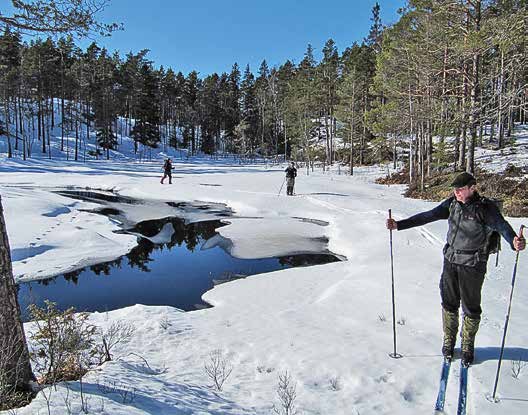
x,y
291,172
167,166
470,227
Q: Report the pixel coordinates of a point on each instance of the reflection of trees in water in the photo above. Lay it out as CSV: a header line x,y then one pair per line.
x,y
305,260
73,276
139,257
192,235
106,267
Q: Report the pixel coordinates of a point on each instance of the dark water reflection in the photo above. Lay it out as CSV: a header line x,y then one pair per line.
x,y
168,267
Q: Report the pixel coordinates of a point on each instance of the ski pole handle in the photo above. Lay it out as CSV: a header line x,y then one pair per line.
x,y
521,237
389,221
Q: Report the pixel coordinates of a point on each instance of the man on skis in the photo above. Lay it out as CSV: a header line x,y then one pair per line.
x,y
473,223
167,171
291,174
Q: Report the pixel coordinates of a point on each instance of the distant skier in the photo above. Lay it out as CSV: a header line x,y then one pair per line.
x,y
167,171
291,174
474,223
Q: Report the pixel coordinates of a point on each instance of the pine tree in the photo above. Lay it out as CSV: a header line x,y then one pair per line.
x,y
248,126
303,106
48,16
103,104
374,38
191,116
10,54
263,99
285,76
328,77
232,107
146,128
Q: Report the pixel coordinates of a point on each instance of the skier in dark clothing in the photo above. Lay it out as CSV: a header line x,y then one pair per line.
x,y
167,171
473,222
291,174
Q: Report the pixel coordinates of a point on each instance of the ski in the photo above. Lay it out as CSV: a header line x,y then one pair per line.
x,y
440,400
462,393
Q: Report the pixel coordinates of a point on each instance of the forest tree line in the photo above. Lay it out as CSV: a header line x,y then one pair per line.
x,y
447,69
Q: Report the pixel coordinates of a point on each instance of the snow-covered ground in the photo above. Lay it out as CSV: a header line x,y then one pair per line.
x,y
516,154
329,326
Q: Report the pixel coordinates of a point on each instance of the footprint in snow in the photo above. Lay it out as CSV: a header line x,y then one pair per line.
x,y
408,395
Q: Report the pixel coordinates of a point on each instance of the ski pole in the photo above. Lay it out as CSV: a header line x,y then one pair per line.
x,y
507,320
395,354
280,190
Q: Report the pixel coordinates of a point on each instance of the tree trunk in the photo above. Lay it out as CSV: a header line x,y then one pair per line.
x,y
411,167
48,127
6,109
474,111
22,127
456,148
394,151
42,131
76,154
352,128
14,356
62,121
16,122
21,121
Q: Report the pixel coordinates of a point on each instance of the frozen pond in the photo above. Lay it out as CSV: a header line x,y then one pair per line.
x,y
175,262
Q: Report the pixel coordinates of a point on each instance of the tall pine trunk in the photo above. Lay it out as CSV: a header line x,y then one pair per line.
x,y
6,112
474,111
16,109
14,356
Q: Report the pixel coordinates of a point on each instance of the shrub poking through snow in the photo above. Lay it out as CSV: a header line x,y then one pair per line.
x,y
63,343
218,368
165,323
119,332
287,393
517,367
335,383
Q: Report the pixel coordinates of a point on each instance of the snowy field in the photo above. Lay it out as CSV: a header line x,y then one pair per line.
x,y
329,326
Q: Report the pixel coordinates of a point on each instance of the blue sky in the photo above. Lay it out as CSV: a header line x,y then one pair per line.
x,y
210,35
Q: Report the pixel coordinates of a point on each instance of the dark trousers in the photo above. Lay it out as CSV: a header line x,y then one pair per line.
x,y
290,183
165,175
462,283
